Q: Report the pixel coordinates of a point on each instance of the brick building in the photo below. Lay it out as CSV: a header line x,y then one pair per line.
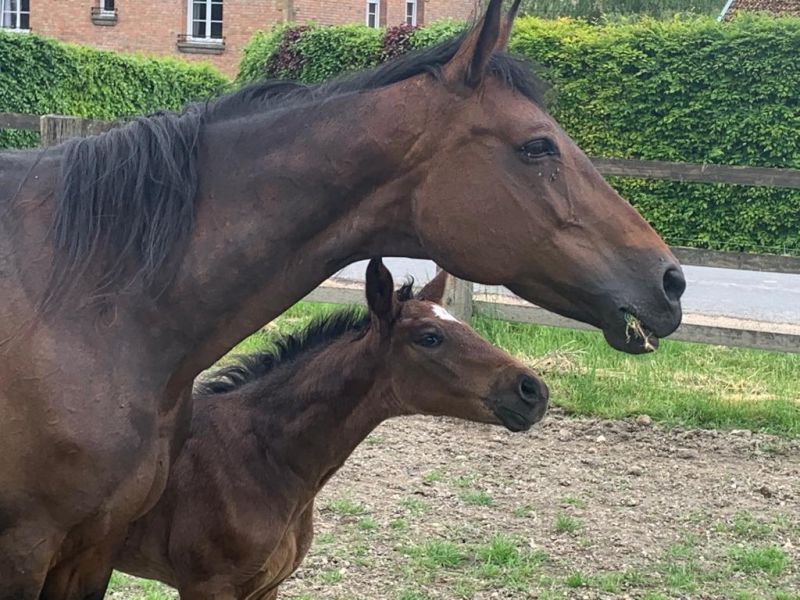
x,y
212,30
788,8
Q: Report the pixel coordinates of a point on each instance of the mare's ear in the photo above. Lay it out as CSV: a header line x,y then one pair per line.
x,y
508,24
434,289
468,65
380,292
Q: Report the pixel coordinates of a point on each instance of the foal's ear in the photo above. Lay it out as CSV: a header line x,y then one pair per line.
x,y
468,65
380,291
435,288
508,24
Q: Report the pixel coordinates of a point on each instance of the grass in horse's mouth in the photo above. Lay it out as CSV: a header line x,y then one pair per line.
x,y
633,326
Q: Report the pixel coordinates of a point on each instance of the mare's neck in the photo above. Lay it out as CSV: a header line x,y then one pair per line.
x,y
286,199
328,402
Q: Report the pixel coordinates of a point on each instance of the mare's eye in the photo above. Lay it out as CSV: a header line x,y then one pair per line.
x,y
429,340
536,149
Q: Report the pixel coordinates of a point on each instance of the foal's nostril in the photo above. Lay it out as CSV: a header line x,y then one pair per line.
x,y
674,284
530,389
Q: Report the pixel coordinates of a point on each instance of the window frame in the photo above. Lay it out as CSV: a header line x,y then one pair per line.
x,y
17,13
414,13
104,7
377,5
190,21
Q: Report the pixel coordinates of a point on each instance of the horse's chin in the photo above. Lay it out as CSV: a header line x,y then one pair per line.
x,y
621,337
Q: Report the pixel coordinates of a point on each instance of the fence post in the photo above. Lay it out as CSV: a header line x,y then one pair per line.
x,y
55,129
458,298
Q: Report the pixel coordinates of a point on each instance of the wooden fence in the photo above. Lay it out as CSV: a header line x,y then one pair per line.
x,y
460,297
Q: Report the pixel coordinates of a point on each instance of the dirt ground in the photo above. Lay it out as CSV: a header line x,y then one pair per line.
x,y
575,508
605,508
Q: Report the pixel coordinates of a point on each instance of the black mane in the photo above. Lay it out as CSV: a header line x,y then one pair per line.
x,y
320,332
126,198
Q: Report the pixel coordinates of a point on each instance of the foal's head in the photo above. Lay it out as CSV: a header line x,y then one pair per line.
x,y
438,365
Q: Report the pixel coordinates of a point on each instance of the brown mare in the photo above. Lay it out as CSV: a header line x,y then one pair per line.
x,y
236,517
131,261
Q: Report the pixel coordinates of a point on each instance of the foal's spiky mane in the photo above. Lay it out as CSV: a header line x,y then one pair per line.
x,y
124,206
319,333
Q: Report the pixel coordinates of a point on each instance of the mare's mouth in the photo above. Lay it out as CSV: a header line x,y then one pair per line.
x,y
630,334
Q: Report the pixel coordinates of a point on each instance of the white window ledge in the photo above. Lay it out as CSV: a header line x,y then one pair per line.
x,y
104,17
190,45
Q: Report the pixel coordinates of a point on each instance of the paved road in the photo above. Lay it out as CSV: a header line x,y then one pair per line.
x,y
771,297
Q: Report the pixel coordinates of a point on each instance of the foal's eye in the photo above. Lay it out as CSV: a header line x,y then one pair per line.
x,y
536,149
429,340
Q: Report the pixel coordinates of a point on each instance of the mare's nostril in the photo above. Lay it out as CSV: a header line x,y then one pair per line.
x,y
530,390
674,284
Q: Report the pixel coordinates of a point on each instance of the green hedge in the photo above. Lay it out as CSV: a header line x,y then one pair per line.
x,y
38,76
690,90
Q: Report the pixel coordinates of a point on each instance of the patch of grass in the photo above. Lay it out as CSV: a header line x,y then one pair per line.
x,y
576,579
682,550
398,524
502,560
567,524
436,554
523,510
609,582
615,581
415,506
331,576
433,476
345,506
477,498
681,576
574,501
143,589
500,550
751,559
781,595
323,538
746,526
367,524
465,481
465,588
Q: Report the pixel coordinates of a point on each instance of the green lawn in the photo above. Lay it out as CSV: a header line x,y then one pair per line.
x,y
682,384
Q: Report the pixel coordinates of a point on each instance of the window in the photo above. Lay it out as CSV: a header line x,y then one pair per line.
x,y
15,14
411,12
104,13
373,13
205,20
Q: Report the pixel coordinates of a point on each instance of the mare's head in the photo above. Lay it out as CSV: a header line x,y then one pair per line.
x,y
506,197
438,365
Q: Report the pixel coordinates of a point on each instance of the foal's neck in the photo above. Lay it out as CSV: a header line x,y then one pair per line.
x,y
329,401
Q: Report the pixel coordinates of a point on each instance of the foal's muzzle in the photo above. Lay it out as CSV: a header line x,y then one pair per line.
x,y
523,405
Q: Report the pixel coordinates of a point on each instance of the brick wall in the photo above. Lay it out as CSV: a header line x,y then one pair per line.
x,y
153,26
778,7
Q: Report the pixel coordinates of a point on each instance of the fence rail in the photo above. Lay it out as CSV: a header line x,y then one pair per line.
x,y
702,329
685,172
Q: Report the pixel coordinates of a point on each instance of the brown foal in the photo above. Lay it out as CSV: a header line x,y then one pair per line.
x,y
267,434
